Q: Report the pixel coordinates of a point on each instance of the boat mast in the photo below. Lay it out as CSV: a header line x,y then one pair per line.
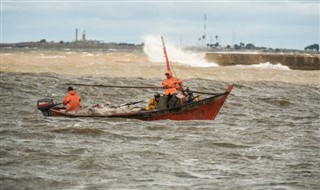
x,y
165,54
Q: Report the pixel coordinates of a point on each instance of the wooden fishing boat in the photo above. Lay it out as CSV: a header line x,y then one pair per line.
x,y
205,109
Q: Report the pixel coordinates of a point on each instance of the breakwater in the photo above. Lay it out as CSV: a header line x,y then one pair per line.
x,y
296,61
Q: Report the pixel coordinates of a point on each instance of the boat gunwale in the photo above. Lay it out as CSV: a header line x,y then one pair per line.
x,y
146,114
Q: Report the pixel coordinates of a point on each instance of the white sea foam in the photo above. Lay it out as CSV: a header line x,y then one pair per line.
x,y
53,57
266,65
86,54
154,50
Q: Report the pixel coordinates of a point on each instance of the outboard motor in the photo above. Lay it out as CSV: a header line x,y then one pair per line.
x,y
44,105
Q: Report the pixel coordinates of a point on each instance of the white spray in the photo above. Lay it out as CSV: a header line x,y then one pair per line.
x,y
266,65
154,50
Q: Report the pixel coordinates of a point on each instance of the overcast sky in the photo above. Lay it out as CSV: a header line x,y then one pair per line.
x,y
276,24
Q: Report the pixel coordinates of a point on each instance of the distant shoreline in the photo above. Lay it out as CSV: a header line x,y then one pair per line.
x,y
113,46
294,59
72,45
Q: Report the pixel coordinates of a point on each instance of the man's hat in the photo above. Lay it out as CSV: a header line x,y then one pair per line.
x,y
168,73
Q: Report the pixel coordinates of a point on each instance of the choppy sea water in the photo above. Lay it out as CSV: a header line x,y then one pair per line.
x,y
266,136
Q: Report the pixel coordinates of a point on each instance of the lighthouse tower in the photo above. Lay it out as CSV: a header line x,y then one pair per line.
x,y
84,36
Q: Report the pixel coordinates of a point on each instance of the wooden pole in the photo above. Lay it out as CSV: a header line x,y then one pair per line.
x,y
139,87
111,86
165,54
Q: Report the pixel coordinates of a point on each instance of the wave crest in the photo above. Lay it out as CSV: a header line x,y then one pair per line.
x,y
266,65
154,50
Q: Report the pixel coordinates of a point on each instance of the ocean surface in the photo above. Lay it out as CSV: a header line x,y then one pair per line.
x,y
266,135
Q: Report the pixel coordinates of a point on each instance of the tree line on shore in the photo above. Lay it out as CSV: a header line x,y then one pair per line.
x,y
75,44
250,46
97,44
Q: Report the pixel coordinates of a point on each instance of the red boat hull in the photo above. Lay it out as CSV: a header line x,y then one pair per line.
x,y
206,109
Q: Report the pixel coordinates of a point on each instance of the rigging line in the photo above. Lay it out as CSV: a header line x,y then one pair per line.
x,y
175,72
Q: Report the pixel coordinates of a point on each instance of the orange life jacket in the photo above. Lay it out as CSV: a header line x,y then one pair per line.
x,y
72,101
170,85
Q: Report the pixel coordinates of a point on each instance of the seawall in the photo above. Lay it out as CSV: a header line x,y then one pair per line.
x,y
296,61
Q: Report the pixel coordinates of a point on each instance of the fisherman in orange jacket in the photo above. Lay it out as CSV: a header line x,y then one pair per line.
x,y
170,88
72,100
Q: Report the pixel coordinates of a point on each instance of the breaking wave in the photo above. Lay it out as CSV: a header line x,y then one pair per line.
x,y
266,65
154,50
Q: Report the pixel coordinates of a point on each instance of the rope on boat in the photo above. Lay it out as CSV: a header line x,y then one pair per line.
x,y
207,93
139,87
111,86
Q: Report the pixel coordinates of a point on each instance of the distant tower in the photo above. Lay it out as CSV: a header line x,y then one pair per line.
x,y
76,34
205,28
84,36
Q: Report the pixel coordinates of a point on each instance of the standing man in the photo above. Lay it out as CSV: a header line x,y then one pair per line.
x,y
72,100
170,89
